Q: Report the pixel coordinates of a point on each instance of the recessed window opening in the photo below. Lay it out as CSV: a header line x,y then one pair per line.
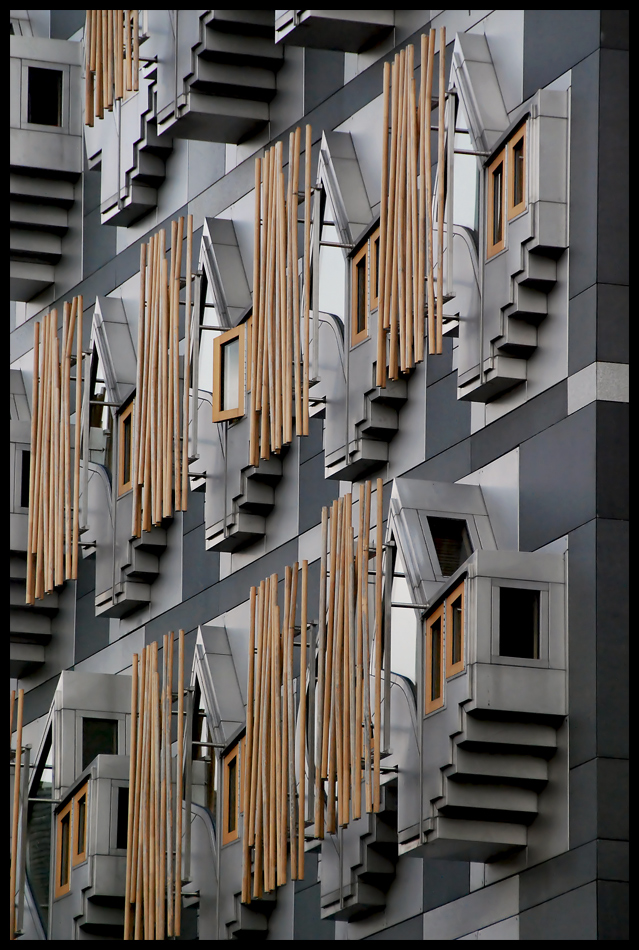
x,y
232,810
518,172
24,479
44,96
436,660
123,817
230,374
361,296
81,826
126,438
456,614
65,849
99,737
452,543
375,293
498,211
519,622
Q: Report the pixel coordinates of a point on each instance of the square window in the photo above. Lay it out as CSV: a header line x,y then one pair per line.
x,y
63,851
455,618
517,173
452,543
99,737
495,223
434,666
125,450
44,96
231,816
80,826
228,374
519,622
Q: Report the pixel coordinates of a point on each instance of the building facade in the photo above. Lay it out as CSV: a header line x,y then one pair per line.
x,y
319,503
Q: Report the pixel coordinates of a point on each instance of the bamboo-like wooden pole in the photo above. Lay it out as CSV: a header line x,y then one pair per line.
x,y
45,460
429,192
302,722
321,664
441,128
255,827
97,65
117,50
397,271
141,898
357,764
170,844
155,799
259,331
131,809
92,45
178,793
53,451
88,76
35,497
276,791
136,867
156,384
168,378
402,255
162,814
366,652
338,681
307,271
283,779
16,812
109,76
380,372
269,767
421,226
280,298
175,367
414,269
410,174
253,447
248,752
59,499
392,185
68,570
35,397
329,640
78,430
255,731
187,363
136,518
144,470
291,726
349,664
136,50
290,255
378,645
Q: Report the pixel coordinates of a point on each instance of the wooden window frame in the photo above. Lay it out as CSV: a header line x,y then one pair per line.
x,y
127,413
453,668
229,836
365,251
493,248
430,705
80,854
516,209
219,414
61,889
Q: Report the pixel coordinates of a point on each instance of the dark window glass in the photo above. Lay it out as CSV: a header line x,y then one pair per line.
x,y
39,832
99,737
376,291
126,448
436,660
231,776
81,830
456,610
65,839
519,622
361,295
498,211
24,480
518,176
45,96
230,374
452,543
123,817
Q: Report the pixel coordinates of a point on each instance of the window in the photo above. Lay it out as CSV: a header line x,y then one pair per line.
x,y
517,173
228,374
231,816
122,822
99,737
44,104
365,287
80,825
496,237
24,479
63,851
434,691
519,622
452,543
455,617
125,447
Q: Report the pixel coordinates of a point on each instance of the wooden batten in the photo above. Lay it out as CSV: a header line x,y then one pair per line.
x,y
307,264
16,813
253,447
187,362
429,192
380,378
378,645
302,722
33,502
175,370
109,61
441,119
366,653
131,809
321,663
78,429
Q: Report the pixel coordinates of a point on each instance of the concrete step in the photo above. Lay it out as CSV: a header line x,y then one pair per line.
x,y
36,217
144,566
529,304
41,191
524,771
488,735
237,50
540,273
47,606
244,22
258,497
236,82
34,246
29,626
485,802
519,339
153,541
450,839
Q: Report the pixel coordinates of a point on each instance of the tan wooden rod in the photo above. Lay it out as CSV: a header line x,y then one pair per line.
x,y
111,59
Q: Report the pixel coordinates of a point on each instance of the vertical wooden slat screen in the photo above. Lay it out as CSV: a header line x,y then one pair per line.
x,y
159,463
408,210
16,810
346,750
54,484
111,59
152,908
277,376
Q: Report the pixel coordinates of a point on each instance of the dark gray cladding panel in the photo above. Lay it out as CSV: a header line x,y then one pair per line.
x,y
563,873
612,218
582,329
308,924
194,514
37,701
613,325
201,568
613,860
447,418
411,929
315,492
584,146
323,75
615,29
445,881
613,558
613,461
582,644
613,910
554,41
557,479
572,916
448,466
91,632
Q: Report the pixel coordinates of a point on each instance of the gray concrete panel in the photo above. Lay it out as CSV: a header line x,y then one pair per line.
x,y
584,170
447,418
194,515
582,614
445,881
613,910
555,40
99,246
312,445
91,632
613,860
506,433
37,701
615,33
563,873
613,798
613,342
613,558
314,492
572,916
440,365
448,466
583,803
201,567
323,76
410,929
478,909
612,218
583,329
64,23
308,924
557,479
613,446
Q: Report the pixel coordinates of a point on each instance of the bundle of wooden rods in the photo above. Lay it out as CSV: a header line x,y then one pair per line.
x,y
160,459
111,59
54,479
408,211
153,889
273,802
278,370
348,731
15,821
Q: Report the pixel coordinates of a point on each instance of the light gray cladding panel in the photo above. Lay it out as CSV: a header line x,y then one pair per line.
x,y
225,269
332,382
211,460
203,871
215,669
475,77
340,172
101,692
112,336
